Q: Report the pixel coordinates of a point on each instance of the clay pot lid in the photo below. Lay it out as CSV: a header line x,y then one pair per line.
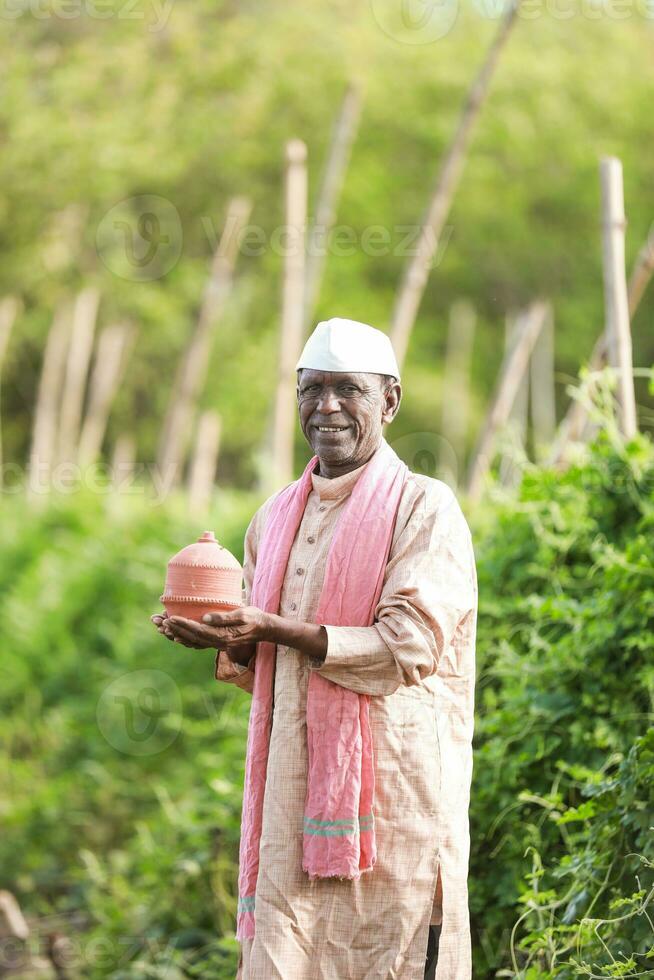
x,y
206,552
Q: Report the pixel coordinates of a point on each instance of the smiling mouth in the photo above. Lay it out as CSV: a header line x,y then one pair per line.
x,y
331,428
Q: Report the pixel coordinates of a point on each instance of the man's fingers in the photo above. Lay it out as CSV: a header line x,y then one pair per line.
x,y
204,635
188,641
160,620
192,638
186,623
190,626
179,630
232,618
200,629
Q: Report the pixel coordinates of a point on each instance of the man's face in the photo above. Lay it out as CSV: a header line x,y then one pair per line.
x,y
342,414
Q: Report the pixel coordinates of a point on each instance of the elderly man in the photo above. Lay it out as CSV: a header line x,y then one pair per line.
x,y
357,641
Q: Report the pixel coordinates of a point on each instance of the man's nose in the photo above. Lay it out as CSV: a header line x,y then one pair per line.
x,y
329,402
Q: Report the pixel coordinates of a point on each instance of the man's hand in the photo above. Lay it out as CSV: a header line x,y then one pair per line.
x,y
239,630
196,636
224,630
160,620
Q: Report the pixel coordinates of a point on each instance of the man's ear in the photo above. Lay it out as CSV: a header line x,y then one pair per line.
x,y
392,400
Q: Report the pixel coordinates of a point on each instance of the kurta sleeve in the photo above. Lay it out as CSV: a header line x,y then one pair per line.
x,y
225,669
429,587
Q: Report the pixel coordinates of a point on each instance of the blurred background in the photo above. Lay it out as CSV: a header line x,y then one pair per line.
x,y
186,188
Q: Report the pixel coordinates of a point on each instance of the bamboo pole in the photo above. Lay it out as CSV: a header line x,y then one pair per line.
x,y
63,239
517,421
204,461
572,424
110,362
122,460
417,272
456,388
543,407
618,331
12,921
9,309
518,415
331,185
46,415
192,372
279,468
641,273
85,313
511,374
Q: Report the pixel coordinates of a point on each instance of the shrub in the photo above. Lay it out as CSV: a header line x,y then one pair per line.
x,y
562,799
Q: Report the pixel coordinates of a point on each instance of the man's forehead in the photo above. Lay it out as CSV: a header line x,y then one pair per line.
x,y
333,377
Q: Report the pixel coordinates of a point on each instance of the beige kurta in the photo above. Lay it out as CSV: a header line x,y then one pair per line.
x,y
417,662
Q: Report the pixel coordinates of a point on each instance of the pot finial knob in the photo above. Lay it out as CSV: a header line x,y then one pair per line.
x,y
210,537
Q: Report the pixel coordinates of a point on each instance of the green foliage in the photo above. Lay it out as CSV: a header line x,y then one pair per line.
x,y
563,766
131,823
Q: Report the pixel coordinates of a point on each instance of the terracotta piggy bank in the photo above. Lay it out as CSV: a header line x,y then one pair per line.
x,y
203,577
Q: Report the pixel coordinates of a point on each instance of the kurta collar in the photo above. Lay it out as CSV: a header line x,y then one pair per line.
x,y
338,486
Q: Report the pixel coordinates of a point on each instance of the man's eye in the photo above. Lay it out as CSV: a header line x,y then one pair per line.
x,y
350,389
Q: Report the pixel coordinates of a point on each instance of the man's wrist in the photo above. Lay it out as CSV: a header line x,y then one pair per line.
x,y
309,638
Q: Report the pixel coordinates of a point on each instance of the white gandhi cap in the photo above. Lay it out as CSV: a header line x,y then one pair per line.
x,y
347,345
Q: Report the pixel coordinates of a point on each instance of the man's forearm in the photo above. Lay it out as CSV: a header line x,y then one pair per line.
x,y
309,638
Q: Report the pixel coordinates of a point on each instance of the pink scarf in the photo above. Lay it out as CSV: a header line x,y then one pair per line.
x,y
339,831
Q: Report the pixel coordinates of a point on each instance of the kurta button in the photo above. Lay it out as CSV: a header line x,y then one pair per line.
x,y
322,507
300,571
294,606
311,540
